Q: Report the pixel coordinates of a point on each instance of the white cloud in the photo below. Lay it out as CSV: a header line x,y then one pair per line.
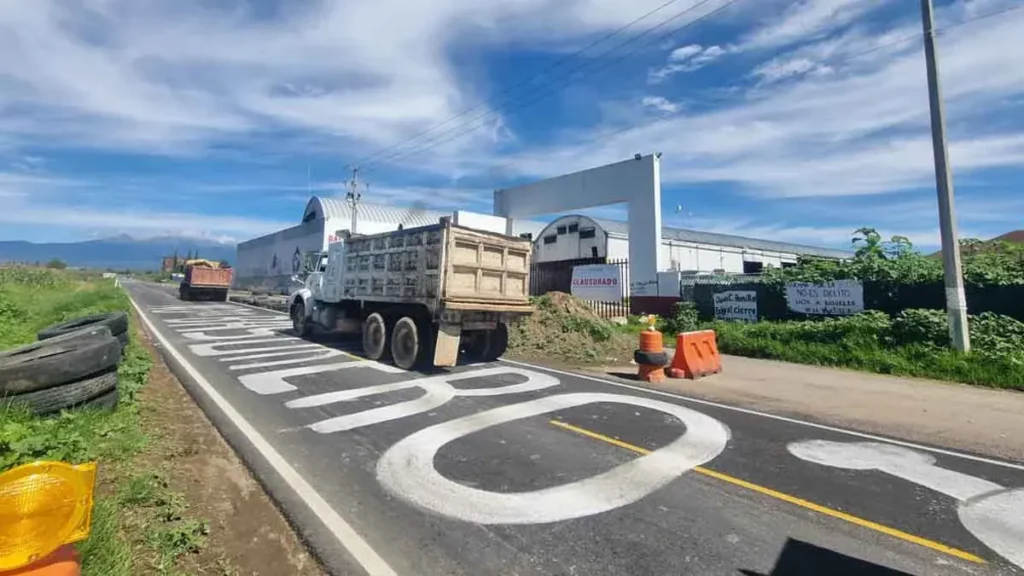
x,y
862,130
173,77
660,103
808,19
142,223
776,70
685,53
687,59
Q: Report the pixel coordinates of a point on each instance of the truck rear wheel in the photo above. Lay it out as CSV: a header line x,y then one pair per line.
x,y
375,337
497,343
408,344
475,344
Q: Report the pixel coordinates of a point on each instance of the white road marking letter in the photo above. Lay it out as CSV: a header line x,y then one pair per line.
x,y
274,382
213,349
438,390
407,468
994,515
202,336
299,349
321,354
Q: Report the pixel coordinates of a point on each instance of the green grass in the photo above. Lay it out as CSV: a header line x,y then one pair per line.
x,y
31,299
842,343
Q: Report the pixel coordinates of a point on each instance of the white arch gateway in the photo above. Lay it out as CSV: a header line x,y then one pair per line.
x,y
636,182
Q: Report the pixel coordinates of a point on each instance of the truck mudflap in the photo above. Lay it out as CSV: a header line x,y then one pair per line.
x,y
446,348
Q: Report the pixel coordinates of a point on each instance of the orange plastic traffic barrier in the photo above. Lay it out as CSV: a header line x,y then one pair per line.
x,y
65,561
651,342
696,355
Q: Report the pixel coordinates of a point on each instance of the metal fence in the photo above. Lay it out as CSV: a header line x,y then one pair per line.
x,y
689,282
557,277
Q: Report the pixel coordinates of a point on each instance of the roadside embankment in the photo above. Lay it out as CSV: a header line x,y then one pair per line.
x,y
170,496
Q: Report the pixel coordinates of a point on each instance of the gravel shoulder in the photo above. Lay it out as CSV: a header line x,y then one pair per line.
x,y
246,530
978,420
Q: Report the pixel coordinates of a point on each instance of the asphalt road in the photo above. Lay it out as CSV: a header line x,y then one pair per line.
x,y
506,468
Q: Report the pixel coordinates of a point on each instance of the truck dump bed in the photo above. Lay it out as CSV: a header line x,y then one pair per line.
x,y
441,266
202,277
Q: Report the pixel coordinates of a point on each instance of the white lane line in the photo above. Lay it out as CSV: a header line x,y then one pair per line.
x,y
942,451
346,535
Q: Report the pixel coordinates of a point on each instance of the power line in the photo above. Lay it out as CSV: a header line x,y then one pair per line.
x,y
544,94
523,82
916,36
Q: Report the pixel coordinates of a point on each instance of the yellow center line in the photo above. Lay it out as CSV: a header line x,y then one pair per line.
x,y
938,547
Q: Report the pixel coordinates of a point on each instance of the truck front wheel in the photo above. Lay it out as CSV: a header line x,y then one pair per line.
x,y
375,337
408,344
300,323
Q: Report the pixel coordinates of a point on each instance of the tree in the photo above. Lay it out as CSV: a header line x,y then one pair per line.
x,y
898,247
868,243
56,264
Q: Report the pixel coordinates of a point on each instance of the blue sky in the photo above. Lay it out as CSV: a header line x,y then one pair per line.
x,y
792,120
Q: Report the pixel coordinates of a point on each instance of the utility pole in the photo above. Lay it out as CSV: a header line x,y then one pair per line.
x,y
353,197
956,299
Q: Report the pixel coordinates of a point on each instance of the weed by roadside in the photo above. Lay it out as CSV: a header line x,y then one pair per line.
x,y
914,343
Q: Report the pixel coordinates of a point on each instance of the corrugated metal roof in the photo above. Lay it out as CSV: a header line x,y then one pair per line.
x,y
684,235
408,217
338,208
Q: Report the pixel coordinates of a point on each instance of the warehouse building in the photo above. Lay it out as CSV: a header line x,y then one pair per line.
x,y
267,263
577,237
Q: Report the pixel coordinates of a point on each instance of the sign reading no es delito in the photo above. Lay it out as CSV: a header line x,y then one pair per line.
x,y
836,298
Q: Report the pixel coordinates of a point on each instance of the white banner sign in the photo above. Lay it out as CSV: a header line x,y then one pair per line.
x,y
597,282
736,305
837,298
643,288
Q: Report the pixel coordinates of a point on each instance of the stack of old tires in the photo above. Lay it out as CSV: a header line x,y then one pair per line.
x,y
74,364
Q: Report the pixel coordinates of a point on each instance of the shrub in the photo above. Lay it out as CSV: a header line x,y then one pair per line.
x,y
920,327
683,319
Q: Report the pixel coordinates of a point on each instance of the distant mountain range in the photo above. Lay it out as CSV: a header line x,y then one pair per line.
x,y
119,253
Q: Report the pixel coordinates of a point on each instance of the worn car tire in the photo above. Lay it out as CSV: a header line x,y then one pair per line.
x,y
117,322
45,364
70,395
106,401
650,358
94,332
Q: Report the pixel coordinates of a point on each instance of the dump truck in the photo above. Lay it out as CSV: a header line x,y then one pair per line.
x,y
418,296
205,280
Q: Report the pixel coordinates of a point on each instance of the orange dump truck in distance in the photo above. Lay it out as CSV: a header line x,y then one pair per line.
x,y
205,280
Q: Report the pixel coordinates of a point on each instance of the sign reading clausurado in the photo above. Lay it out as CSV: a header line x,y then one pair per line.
x,y
736,305
836,298
597,282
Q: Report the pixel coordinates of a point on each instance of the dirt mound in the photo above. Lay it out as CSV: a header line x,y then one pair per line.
x,y
566,329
